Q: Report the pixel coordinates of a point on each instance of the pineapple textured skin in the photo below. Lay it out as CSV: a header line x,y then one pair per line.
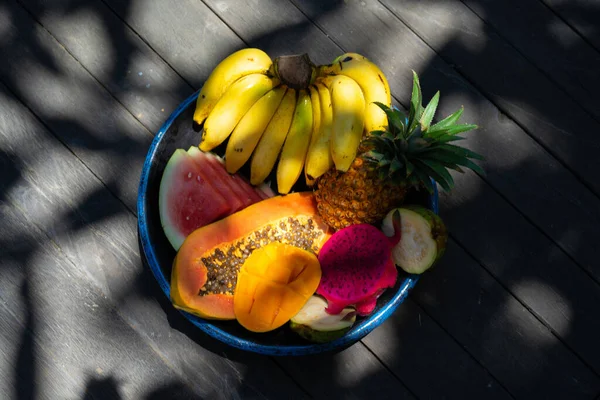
x,y
355,197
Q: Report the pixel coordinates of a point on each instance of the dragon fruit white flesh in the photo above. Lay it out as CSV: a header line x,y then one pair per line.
x,y
357,267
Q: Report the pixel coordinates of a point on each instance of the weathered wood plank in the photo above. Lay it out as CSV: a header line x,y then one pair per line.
x,y
352,373
74,105
97,235
545,40
500,332
188,35
43,297
516,87
412,344
278,28
582,15
194,56
117,57
121,284
531,266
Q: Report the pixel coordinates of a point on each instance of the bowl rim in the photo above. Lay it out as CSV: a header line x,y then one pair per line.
x,y
150,258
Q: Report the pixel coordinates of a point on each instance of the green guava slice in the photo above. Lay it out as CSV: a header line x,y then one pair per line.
x,y
313,323
423,239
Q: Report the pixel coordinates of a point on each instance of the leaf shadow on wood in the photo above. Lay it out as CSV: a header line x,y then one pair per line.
x,y
11,171
26,368
14,254
102,388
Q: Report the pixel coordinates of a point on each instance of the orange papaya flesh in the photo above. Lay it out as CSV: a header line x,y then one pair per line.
x,y
206,267
220,305
273,285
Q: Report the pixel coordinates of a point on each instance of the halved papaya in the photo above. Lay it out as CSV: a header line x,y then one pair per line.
x,y
206,267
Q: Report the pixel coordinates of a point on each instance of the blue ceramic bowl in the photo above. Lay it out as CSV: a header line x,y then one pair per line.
x,y
178,132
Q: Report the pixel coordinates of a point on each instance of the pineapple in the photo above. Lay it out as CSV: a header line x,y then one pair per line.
x,y
407,155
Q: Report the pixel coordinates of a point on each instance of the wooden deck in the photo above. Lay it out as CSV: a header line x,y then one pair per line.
x,y
511,312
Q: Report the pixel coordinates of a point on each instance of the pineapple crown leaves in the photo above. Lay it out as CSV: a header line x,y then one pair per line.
x,y
412,150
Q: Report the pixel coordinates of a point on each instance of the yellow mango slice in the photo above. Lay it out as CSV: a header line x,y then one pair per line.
x,y
273,285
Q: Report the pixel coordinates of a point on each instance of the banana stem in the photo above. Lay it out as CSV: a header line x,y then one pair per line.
x,y
296,72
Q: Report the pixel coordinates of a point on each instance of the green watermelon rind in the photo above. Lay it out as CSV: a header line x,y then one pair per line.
x,y
174,236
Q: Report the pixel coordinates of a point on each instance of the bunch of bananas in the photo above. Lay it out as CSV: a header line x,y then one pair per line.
x,y
291,113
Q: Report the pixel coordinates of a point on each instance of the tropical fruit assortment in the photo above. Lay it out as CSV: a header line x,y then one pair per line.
x,y
317,252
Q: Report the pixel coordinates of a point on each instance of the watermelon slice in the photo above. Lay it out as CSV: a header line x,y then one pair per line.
x,y
248,190
243,190
264,191
188,199
222,181
248,193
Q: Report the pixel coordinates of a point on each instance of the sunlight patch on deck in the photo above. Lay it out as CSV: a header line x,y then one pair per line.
x,y
551,303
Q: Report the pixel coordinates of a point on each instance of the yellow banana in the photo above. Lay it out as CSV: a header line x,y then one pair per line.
x,y
247,133
296,144
241,63
346,55
371,80
268,148
319,159
316,110
348,105
228,111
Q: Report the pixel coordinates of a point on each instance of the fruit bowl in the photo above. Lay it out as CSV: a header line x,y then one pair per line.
x,y
178,132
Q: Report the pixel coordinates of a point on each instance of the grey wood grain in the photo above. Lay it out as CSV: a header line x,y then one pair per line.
x,y
502,333
412,344
352,374
73,104
62,336
582,15
545,40
76,244
278,28
516,87
188,35
97,236
166,27
116,56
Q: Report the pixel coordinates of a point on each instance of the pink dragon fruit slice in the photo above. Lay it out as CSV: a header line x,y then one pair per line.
x,y
388,280
356,267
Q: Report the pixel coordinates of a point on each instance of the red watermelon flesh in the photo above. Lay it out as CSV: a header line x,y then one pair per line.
x,y
249,190
221,181
264,191
252,194
187,198
248,195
